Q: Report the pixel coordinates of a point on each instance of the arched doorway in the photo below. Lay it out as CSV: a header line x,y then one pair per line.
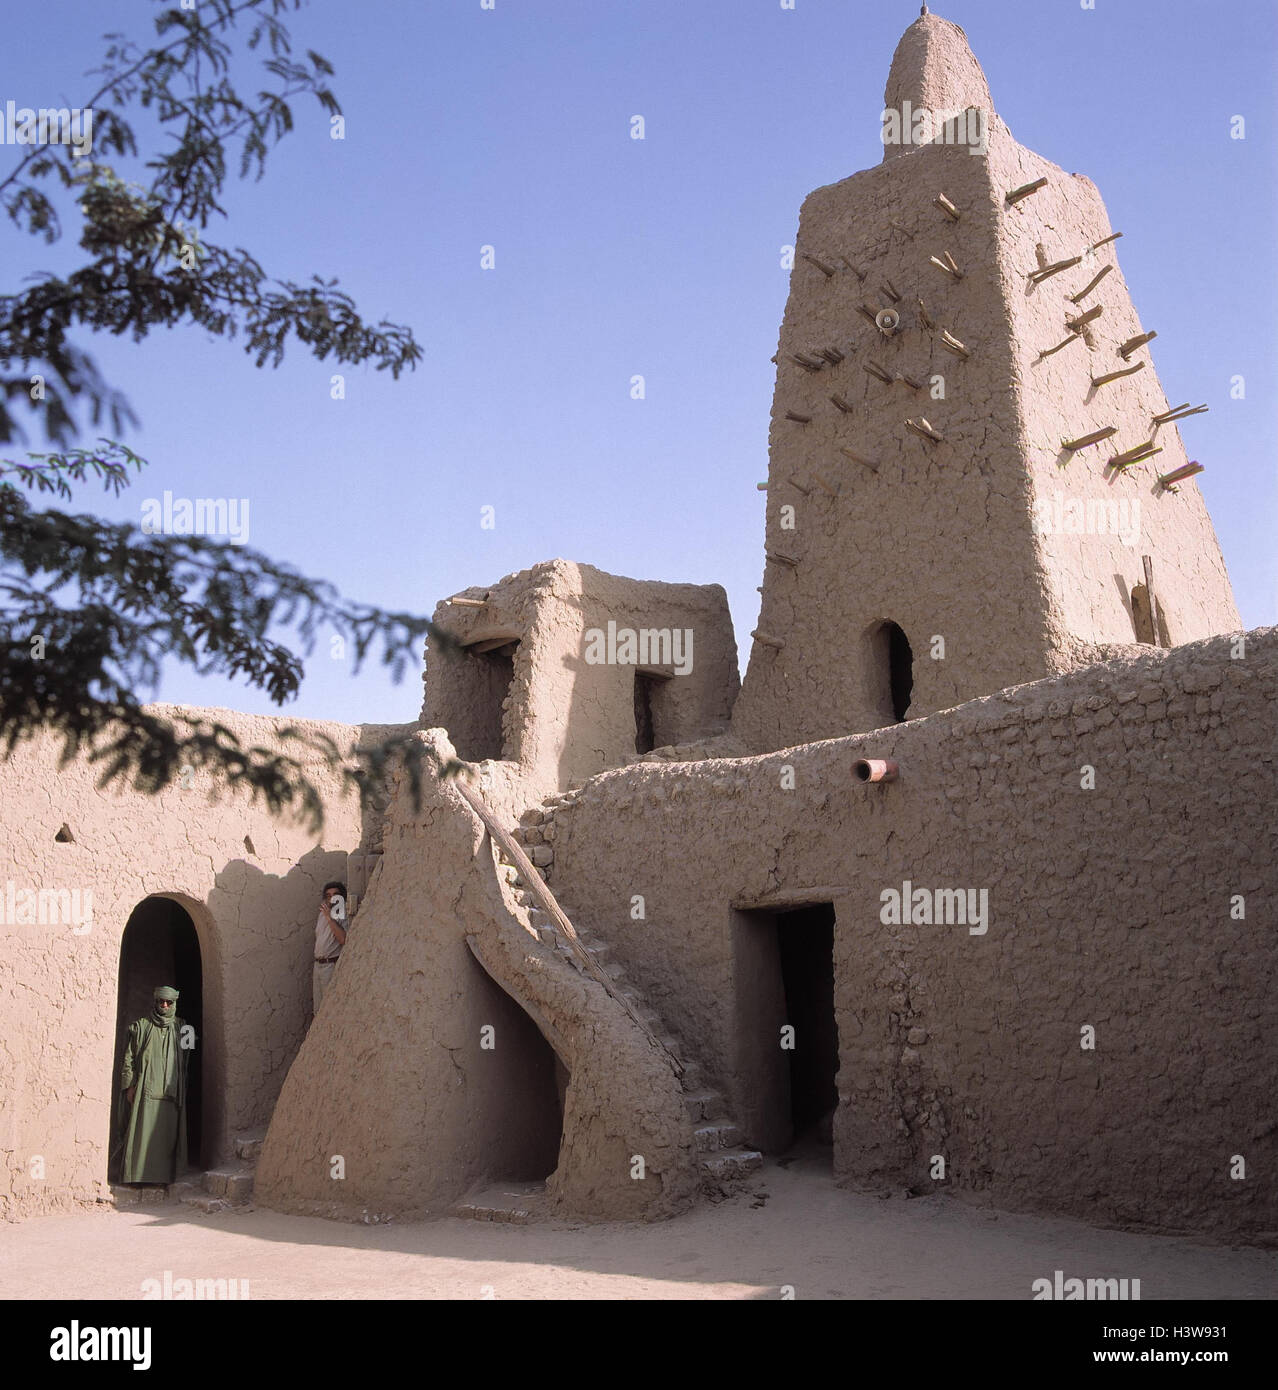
x,y
161,946
892,671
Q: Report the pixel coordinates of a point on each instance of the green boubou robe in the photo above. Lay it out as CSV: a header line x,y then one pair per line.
x,y
155,1125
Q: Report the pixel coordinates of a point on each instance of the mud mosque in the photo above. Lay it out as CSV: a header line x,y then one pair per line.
x,y
972,876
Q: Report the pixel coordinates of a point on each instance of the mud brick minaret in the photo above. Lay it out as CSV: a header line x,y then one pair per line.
x,y
957,329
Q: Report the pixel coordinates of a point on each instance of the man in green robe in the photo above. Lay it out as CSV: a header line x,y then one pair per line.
x,y
153,1094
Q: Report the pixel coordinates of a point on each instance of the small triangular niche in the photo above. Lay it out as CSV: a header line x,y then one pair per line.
x,y
64,836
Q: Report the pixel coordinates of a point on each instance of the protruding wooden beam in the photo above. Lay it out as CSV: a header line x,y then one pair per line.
x,y
921,427
778,558
948,208
912,382
804,362
881,372
1046,272
842,404
762,487
798,486
889,289
867,313
855,269
1180,412
1132,344
822,483
1024,191
1090,285
1073,338
827,270
951,344
1136,455
798,418
1113,376
905,231
1178,475
924,317
1077,325
768,640
832,355
1147,564
859,458
948,269
468,602
1104,241
1073,445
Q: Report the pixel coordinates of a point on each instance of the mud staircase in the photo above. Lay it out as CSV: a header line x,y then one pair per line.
x,y
724,1160
228,1188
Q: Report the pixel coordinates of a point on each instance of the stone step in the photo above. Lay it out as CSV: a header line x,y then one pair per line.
x,y
514,1203
184,1188
700,1105
734,1164
716,1136
234,1185
209,1205
248,1147
140,1195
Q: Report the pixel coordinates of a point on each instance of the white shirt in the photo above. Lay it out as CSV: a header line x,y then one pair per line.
x,y
326,944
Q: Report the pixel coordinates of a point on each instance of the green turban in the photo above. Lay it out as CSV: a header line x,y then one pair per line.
x,y
158,1015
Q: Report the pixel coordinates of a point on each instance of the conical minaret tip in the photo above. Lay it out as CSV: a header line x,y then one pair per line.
x,y
934,67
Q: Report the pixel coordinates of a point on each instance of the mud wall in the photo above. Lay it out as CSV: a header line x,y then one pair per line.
x,y
250,883
570,708
1115,906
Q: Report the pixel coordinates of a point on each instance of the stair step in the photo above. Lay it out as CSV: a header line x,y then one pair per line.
x,y
202,1201
183,1189
513,1203
235,1185
139,1195
716,1135
735,1163
701,1104
249,1147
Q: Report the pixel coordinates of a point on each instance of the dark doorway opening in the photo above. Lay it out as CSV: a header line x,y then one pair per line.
x,y
487,670
652,711
893,662
787,1047
160,947
523,1088
805,940
643,713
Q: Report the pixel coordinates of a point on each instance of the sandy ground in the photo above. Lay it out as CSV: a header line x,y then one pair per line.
x,y
825,1242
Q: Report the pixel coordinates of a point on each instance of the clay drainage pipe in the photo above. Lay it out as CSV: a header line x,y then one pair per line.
x,y
875,770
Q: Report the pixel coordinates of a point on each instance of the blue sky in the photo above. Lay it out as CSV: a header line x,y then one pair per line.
x,y
614,257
